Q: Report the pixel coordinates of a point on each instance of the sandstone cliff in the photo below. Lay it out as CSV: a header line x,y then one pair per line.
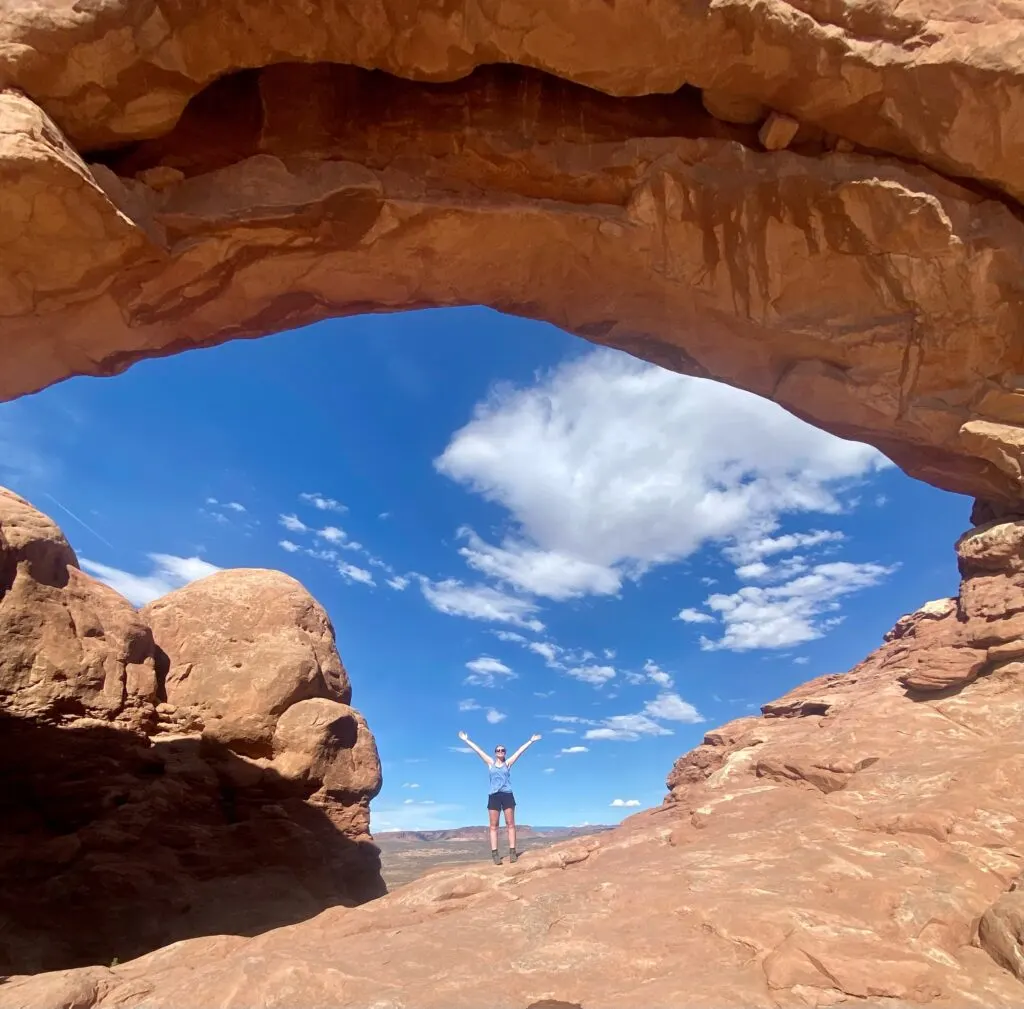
x,y
672,179
191,769
859,843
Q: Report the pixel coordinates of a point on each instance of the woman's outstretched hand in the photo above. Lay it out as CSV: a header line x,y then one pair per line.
x,y
535,737
463,736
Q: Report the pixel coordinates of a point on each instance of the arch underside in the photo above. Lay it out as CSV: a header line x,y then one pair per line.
x,y
176,182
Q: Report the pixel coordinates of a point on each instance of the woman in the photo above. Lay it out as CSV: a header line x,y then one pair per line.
x,y
501,797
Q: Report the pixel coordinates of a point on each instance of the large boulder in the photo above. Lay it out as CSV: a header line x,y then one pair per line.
x,y
213,780
70,647
242,646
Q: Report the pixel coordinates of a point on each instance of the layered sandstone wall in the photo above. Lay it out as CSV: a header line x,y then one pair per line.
x,y
193,768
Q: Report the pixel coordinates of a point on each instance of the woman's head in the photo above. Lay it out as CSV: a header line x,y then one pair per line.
x,y
499,752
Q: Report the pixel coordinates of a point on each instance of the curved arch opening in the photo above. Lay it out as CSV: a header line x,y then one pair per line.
x,y
571,541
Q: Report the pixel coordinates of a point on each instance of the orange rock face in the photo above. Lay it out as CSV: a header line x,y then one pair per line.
x,y
821,206
859,843
191,769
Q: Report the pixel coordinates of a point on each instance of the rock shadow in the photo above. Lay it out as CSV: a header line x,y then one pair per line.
x,y
113,844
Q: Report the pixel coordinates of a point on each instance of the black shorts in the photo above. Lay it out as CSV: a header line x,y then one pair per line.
x,y
501,800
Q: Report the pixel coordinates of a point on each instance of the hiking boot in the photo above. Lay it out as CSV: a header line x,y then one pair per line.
x,y
513,855
496,857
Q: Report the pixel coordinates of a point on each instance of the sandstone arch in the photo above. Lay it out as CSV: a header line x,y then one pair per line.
x,y
177,177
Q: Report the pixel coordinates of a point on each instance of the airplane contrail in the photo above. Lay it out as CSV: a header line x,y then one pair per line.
x,y
85,525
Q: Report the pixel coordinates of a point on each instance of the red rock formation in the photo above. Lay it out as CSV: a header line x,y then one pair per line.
x,y
859,841
211,780
666,178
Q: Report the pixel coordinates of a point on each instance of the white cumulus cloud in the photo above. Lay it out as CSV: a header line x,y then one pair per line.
x,y
594,675
672,708
609,466
576,749
692,616
624,802
494,716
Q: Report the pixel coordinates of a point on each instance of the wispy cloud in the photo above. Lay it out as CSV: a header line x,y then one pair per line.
x,y
596,676
627,729
324,504
480,602
293,523
796,611
494,716
351,573
483,671
235,506
168,572
576,749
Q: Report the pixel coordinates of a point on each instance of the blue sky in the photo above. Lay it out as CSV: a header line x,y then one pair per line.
x,y
512,531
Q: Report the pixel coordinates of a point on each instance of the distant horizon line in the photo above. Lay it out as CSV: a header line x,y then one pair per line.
x,y
484,826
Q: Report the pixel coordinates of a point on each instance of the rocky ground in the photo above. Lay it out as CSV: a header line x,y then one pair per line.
x,y
407,855
859,842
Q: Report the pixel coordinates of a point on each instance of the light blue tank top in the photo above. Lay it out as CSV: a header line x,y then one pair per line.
x,y
500,778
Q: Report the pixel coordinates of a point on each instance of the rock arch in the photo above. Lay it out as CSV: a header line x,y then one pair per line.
x,y
820,208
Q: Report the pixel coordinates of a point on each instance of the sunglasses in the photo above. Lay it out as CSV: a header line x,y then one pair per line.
x,y
500,749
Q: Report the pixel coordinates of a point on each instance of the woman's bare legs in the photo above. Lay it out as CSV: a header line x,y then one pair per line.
x,y
510,825
493,815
